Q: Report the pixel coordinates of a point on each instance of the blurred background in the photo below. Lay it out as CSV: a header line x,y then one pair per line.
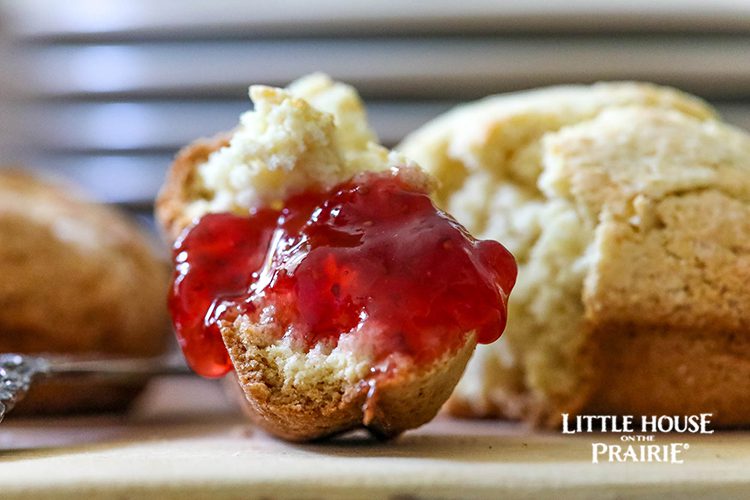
x,y
104,92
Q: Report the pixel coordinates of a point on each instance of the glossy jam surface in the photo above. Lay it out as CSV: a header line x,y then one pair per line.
x,y
372,258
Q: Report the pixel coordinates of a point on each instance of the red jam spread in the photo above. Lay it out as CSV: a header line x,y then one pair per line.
x,y
372,257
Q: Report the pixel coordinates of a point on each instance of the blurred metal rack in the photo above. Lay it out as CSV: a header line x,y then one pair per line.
x,y
104,92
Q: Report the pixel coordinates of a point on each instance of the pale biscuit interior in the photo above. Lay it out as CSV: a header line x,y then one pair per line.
x,y
314,134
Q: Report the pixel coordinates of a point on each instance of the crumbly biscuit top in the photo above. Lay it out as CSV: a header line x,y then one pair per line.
x,y
312,135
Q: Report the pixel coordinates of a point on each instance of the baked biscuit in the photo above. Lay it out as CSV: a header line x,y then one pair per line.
x,y
77,278
311,137
626,206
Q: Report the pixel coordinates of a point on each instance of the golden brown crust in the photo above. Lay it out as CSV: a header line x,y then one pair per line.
x,y
688,348
406,399
76,278
411,399
653,371
180,186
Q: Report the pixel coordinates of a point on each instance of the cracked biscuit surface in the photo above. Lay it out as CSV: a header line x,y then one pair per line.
x,y
627,208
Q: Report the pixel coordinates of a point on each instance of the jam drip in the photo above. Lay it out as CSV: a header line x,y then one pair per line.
x,y
372,258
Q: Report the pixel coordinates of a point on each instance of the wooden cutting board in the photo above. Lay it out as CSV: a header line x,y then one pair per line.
x,y
184,441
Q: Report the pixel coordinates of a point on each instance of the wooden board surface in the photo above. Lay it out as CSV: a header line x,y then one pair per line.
x,y
183,441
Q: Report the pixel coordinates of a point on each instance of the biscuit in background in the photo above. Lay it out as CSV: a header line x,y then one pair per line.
x,y
76,277
627,206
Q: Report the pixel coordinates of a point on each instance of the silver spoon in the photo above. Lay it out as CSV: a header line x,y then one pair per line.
x,y
19,371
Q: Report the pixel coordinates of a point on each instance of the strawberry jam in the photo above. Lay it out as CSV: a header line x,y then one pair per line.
x,y
371,258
